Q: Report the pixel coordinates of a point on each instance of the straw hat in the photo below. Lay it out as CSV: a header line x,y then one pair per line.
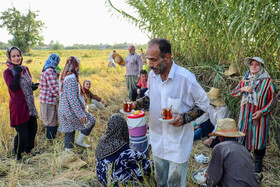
x,y
118,58
70,160
248,60
227,127
232,70
214,96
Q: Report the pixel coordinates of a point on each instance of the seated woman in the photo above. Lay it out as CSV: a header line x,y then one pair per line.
x,y
115,156
92,101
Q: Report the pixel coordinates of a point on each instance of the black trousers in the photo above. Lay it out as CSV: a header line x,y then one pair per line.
x,y
24,140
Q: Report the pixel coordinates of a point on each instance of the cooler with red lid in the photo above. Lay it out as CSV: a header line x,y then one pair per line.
x,y
136,123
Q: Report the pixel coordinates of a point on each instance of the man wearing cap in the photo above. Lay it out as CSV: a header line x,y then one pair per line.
x,y
231,164
171,86
207,123
133,64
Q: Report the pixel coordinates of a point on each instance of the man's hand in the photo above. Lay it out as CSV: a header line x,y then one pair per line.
x,y
138,78
248,89
257,114
178,121
208,141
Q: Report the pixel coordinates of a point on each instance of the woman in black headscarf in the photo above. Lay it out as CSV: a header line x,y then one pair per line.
x,y
115,156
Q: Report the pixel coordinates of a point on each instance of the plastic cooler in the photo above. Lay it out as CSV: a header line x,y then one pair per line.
x,y
137,124
140,144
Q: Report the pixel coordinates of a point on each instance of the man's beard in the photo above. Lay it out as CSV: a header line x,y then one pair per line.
x,y
161,68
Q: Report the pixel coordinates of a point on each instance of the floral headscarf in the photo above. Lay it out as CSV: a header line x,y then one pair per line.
x,y
254,80
71,67
51,62
9,62
115,138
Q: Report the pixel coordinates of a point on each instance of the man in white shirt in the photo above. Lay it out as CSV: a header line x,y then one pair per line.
x,y
170,85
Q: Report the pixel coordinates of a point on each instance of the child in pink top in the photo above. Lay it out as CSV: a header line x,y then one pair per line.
x,y
141,87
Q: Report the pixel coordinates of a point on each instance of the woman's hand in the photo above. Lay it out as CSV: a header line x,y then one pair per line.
x,y
84,120
257,114
178,121
248,89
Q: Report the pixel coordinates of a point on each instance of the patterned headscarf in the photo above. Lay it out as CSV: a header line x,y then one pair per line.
x,y
254,80
9,62
71,67
51,62
115,138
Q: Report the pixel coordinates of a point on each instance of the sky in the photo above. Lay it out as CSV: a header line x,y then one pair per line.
x,y
78,21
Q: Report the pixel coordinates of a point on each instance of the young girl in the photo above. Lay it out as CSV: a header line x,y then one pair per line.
x,y
92,101
72,116
23,114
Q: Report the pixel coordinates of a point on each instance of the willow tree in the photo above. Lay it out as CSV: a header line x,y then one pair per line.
x,y
211,31
25,29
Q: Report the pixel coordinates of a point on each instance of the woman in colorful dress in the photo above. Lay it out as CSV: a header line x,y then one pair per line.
x,y
71,110
49,92
114,155
23,114
258,97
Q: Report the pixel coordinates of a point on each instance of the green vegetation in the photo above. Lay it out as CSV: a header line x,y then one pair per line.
x,y
201,32
25,29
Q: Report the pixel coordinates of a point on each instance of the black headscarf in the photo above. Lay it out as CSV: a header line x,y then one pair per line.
x,y
115,138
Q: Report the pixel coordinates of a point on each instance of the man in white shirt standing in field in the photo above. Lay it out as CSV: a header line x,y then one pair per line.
x,y
171,85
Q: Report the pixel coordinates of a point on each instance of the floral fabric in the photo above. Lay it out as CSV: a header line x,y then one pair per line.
x,y
123,165
70,110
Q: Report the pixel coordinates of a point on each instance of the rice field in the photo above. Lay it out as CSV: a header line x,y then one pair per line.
x,y
44,169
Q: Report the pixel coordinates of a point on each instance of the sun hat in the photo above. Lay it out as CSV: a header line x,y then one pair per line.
x,y
248,60
231,70
118,58
214,96
70,160
227,127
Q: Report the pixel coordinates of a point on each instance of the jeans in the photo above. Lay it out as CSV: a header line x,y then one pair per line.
x,y
168,173
204,129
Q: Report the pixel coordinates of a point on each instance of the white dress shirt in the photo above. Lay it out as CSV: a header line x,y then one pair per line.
x,y
183,92
214,114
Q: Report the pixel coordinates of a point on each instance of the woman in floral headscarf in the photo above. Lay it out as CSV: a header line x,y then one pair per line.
x,y
71,110
23,114
258,97
116,157
49,92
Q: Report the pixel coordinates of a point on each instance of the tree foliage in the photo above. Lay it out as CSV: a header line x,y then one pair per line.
x,y
25,29
211,31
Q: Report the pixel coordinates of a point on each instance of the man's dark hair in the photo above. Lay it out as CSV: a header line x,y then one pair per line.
x,y
143,72
163,45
